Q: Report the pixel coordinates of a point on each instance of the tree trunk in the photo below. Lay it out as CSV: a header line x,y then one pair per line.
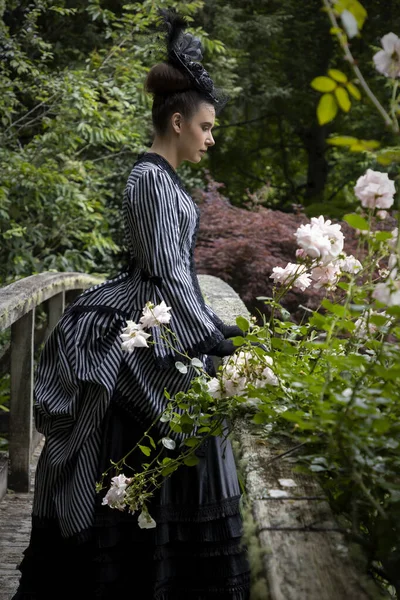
x,y
317,172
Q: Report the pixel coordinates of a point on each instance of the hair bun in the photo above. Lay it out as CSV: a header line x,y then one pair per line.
x,y
164,78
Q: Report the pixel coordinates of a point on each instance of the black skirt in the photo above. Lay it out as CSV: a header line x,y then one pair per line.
x,y
195,552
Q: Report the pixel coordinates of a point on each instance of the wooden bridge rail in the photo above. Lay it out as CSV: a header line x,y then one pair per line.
x,y
18,303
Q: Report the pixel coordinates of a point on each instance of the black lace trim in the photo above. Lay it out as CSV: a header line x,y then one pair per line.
x,y
162,162
229,507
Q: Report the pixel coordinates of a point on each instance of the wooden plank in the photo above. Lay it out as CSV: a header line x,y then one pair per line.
x,y
56,306
21,401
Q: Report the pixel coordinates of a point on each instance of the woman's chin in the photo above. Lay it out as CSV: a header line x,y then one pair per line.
x,y
196,158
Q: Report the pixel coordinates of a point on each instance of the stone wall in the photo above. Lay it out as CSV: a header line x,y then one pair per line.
x,y
297,550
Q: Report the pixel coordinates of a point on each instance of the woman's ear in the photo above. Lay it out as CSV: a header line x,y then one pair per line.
x,y
176,121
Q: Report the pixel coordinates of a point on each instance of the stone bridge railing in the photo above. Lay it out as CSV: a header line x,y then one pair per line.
x,y
297,549
18,303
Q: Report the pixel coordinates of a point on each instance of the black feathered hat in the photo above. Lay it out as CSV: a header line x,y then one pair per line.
x,y
185,52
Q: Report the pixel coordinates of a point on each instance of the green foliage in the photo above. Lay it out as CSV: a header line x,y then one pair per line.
x,y
73,117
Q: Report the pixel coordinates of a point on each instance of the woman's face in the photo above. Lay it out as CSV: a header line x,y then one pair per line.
x,y
195,135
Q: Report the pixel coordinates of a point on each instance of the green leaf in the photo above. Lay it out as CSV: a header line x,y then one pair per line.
x,y
191,461
145,449
242,323
152,442
365,146
356,221
389,155
175,427
238,340
336,309
342,140
381,425
327,109
337,75
168,470
379,320
343,99
260,418
353,6
382,236
354,91
191,442
323,84
347,325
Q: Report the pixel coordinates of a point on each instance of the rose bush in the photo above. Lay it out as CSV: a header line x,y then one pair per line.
x,y
331,383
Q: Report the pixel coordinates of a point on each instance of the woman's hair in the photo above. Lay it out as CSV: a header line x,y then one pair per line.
x,y
172,92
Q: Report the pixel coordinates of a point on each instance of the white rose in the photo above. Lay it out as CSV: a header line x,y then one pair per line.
x,y
297,274
115,497
269,376
333,232
214,388
388,293
364,326
152,315
387,61
235,387
350,264
326,275
133,336
312,241
375,190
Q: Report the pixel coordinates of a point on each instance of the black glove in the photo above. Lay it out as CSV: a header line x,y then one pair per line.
x,y
230,331
223,348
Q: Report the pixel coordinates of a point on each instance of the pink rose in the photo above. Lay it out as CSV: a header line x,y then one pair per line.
x,y
375,190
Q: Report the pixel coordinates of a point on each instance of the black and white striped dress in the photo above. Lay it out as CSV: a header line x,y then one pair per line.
x,y
92,401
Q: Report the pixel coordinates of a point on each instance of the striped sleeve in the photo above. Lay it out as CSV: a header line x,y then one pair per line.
x,y
156,211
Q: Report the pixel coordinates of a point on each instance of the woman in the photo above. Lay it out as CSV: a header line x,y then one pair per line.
x,y
92,400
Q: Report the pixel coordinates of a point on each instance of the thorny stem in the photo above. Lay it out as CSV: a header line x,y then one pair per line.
x,y
393,123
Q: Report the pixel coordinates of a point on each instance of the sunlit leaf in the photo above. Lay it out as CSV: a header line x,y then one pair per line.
x,y
337,75
327,109
342,140
242,323
389,155
353,6
353,90
145,449
343,99
323,84
356,221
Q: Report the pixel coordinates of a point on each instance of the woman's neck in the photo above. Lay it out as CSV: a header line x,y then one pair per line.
x,y
167,151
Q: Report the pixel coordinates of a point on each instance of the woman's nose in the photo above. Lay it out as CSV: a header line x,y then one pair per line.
x,y
210,140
